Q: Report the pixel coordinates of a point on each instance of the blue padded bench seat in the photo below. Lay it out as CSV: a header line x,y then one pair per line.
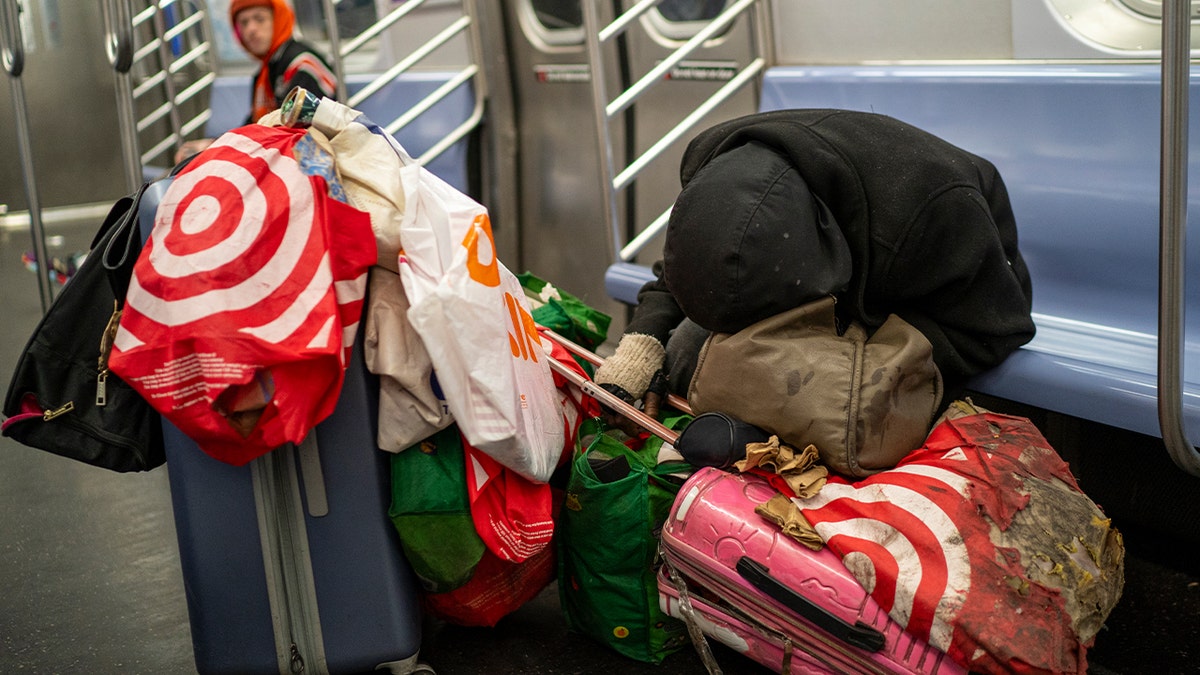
x,y
1078,149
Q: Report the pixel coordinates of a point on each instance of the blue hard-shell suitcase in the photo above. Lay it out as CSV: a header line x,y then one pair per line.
x,y
290,561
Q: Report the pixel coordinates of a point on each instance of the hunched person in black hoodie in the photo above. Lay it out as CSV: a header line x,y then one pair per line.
x,y
780,208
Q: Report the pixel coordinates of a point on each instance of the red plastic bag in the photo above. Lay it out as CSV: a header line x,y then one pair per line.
x,y
245,300
496,589
982,543
513,514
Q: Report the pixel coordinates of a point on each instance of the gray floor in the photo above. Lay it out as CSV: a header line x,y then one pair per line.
x,y
90,579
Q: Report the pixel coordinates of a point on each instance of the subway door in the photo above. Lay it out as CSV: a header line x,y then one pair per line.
x,y
69,95
661,32
563,238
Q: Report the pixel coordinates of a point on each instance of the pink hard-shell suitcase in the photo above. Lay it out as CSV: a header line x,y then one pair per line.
x,y
765,595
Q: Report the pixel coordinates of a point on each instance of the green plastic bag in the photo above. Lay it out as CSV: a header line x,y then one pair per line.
x,y
432,514
617,500
564,313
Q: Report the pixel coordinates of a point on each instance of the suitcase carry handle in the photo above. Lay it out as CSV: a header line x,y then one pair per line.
x,y
858,635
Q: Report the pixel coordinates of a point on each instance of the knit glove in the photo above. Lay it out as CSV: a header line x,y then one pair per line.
x,y
628,373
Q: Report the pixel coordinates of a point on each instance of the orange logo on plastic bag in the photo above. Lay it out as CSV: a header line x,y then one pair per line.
x,y
481,252
524,335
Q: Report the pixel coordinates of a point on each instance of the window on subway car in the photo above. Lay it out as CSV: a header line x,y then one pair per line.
x,y
552,25
691,10
681,19
1153,8
558,14
353,17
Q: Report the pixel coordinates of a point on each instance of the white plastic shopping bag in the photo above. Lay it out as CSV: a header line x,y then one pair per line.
x,y
472,315
468,309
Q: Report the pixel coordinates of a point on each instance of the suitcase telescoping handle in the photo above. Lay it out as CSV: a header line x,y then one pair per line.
x,y
858,635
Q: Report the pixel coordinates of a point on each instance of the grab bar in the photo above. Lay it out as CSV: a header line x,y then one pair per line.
x,y
118,43
605,111
14,64
1176,26
118,33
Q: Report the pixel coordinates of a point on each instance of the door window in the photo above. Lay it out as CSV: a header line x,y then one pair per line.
x,y
552,23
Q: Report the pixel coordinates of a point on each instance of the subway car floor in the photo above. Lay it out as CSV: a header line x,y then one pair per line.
x,y
90,580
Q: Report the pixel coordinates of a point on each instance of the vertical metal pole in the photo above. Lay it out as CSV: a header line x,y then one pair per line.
x,y
764,39
1176,27
12,53
591,23
118,31
335,47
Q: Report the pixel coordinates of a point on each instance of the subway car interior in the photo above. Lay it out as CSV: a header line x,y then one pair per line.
x,y
567,120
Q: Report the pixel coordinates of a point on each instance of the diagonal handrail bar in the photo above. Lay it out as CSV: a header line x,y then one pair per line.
x,y
597,36
467,24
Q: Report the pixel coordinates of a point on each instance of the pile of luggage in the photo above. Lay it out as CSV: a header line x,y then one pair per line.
x,y
369,418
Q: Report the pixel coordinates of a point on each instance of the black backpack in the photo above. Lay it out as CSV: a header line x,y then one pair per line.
x,y
61,398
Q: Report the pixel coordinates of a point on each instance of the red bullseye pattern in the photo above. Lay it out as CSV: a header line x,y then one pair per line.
x,y
252,273
937,543
234,235
899,537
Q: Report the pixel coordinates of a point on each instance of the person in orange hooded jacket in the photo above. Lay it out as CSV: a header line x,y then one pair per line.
x,y
265,29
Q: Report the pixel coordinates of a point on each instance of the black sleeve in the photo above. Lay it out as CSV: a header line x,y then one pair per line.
x,y
312,72
310,84
656,313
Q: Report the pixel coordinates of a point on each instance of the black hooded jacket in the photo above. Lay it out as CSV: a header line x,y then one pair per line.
x,y
929,226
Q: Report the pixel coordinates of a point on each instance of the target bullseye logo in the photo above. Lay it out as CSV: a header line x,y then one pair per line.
x,y
234,238
896,537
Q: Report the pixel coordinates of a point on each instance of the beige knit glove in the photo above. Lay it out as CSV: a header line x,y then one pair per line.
x,y
631,368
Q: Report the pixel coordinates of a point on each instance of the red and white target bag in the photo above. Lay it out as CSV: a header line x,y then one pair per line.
x,y
244,303
475,322
981,543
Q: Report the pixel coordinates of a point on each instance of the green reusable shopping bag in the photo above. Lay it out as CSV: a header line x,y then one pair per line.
x,y
432,514
617,500
564,313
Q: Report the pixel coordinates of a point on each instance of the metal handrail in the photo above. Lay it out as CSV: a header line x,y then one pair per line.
x,y
411,60
335,45
13,51
626,177
118,33
595,56
468,23
658,72
192,16
164,58
1176,29
432,99
745,76
605,111
379,26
